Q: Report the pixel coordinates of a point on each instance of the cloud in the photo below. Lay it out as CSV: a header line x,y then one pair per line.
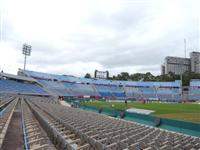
x,y
81,36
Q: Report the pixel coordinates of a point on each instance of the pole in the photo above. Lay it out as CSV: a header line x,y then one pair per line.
x,y
24,62
181,76
185,47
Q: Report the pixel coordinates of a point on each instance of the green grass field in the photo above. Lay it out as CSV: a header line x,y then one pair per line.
x,y
178,111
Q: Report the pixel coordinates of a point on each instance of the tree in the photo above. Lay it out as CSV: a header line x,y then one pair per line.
x,y
148,77
186,77
124,76
87,75
137,77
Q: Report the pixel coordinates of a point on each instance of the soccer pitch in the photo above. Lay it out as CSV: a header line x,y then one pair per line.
x,y
178,111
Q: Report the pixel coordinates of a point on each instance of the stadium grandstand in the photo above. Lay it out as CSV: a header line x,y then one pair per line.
x,y
89,75
194,90
107,89
32,82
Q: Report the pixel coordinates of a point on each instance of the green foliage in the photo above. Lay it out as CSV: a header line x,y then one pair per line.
x,y
186,77
87,75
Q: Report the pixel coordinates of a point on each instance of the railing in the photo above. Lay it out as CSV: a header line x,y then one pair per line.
x,y
24,130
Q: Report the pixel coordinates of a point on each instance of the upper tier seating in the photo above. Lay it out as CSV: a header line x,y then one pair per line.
x,y
74,86
11,86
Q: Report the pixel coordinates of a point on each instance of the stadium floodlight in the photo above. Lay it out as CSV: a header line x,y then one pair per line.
x,y
26,51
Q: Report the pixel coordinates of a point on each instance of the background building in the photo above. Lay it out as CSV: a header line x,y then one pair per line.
x,y
195,62
176,65
179,65
162,69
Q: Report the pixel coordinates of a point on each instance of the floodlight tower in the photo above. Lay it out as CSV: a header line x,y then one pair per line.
x,y
26,51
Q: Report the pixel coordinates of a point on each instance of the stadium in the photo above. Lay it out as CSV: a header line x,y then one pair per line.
x,y
99,75
67,112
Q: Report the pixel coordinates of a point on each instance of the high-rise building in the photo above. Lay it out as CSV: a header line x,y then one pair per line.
x,y
180,65
177,65
195,62
162,69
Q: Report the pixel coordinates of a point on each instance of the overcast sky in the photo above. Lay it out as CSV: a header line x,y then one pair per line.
x,y
78,36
